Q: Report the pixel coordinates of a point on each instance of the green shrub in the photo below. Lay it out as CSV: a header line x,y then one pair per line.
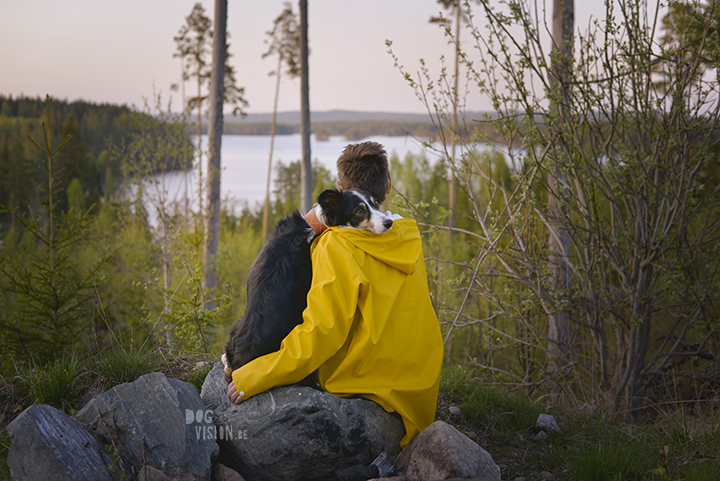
x,y
60,384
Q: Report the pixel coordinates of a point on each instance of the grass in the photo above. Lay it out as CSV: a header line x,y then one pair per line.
x,y
119,365
589,447
60,384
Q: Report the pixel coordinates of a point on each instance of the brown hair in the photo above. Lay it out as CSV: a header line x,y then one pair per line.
x,y
364,166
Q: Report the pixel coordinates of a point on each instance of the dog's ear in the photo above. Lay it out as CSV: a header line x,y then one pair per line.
x,y
330,200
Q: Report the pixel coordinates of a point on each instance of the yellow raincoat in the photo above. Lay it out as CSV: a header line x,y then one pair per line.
x,y
369,328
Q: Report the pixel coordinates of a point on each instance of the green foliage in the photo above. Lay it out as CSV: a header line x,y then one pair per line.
x,y
60,384
75,196
91,126
73,162
287,186
284,41
158,143
589,242
18,178
46,292
194,41
186,320
97,122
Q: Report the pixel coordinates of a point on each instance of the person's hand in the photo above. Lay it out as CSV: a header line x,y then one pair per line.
x,y
233,395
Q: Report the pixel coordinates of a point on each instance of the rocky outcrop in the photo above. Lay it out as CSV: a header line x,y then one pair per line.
x,y
48,444
160,429
155,421
443,452
295,432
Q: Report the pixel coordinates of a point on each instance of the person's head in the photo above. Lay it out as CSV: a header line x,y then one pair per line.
x,y
365,166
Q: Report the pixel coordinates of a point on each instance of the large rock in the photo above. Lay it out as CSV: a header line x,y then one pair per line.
x,y
156,421
295,432
48,444
442,452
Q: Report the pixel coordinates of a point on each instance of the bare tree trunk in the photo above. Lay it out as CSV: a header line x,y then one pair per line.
x,y
215,128
186,172
451,184
559,239
272,145
306,168
199,141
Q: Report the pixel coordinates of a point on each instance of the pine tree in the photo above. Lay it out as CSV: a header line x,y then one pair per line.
x,y
285,43
194,41
46,294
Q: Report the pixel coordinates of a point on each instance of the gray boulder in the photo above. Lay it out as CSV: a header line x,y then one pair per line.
x,y
294,432
48,444
158,422
547,423
442,452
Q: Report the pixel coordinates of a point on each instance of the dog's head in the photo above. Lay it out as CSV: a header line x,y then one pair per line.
x,y
353,208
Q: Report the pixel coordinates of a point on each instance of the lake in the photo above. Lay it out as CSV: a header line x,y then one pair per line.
x,y
245,162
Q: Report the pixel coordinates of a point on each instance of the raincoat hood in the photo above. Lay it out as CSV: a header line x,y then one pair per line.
x,y
400,247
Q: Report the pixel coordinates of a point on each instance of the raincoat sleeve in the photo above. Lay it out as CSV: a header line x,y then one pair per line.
x,y
332,302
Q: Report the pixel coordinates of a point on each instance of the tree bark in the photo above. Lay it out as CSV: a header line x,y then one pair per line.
x,y
306,168
451,184
559,239
215,128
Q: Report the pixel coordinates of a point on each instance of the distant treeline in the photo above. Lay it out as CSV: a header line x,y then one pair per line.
x,y
350,129
96,122
85,159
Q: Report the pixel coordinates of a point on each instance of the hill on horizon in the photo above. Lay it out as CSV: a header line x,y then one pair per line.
x,y
293,117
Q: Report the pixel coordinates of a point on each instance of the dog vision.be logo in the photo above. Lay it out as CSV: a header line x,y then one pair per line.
x,y
206,429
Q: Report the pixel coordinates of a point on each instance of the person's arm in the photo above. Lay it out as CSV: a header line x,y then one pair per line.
x,y
332,302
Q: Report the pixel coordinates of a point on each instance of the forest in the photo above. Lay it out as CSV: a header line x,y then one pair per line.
x,y
573,265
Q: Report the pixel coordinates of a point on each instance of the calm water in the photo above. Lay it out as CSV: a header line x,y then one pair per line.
x,y
245,162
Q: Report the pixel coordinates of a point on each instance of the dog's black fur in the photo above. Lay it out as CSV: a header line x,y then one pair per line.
x,y
280,277
277,287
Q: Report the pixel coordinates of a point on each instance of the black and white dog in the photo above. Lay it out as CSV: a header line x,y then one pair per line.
x,y
280,277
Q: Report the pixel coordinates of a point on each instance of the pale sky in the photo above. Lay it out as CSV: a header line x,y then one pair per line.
x,y
116,51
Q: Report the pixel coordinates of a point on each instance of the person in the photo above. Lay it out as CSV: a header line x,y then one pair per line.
x,y
369,328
